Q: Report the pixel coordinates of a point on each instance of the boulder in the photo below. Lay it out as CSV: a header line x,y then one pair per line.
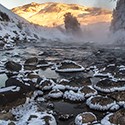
x,y
13,66
10,94
31,63
6,116
25,87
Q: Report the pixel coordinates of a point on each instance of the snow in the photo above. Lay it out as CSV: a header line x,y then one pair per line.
x,y
73,96
56,93
48,86
2,122
36,93
58,86
11,88
72,87
64,80
97,74
105,120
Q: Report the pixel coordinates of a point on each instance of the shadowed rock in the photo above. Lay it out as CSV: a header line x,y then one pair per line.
x,y
13,66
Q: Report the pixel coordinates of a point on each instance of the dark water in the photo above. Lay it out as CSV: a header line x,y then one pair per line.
x,y
67,107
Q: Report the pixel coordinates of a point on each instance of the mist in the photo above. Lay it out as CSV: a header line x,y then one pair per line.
x,y
110,4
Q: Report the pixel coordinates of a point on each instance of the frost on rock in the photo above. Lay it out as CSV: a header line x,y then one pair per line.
x,y
102,103
36,94
107,85
69,66
73,96
106,121
58,86
68,85
85,118
46,84
55,93
103,75
64,82
117,118
88,91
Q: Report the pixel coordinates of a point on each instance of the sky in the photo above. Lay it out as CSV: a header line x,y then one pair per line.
x,y
110,4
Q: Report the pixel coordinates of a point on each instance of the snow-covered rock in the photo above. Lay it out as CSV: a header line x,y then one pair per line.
x,y
69,66
88,91
73,96
116,118
102,103
85,118
55,93
107,85
46,84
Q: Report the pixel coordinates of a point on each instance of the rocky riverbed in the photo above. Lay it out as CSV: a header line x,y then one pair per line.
x,y
50,82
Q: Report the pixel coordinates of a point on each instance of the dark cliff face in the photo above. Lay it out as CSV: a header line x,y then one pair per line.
x,y
118,21
4,17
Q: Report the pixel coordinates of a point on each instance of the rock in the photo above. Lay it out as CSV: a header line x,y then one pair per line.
x,y
81,81
117,118
32,116
68,84
55,93
74,96
23,86
69,66
86,118
43,63
10,94
102,103
46,84
31,63
13,66
2,44
107,85
88,91
119,97
11,123
64,117
6,116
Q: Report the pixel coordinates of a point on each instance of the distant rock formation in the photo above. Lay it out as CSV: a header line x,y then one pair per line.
x,y
52,14
71,24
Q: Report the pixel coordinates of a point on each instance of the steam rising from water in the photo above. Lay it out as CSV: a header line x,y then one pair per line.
x,y
105,3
